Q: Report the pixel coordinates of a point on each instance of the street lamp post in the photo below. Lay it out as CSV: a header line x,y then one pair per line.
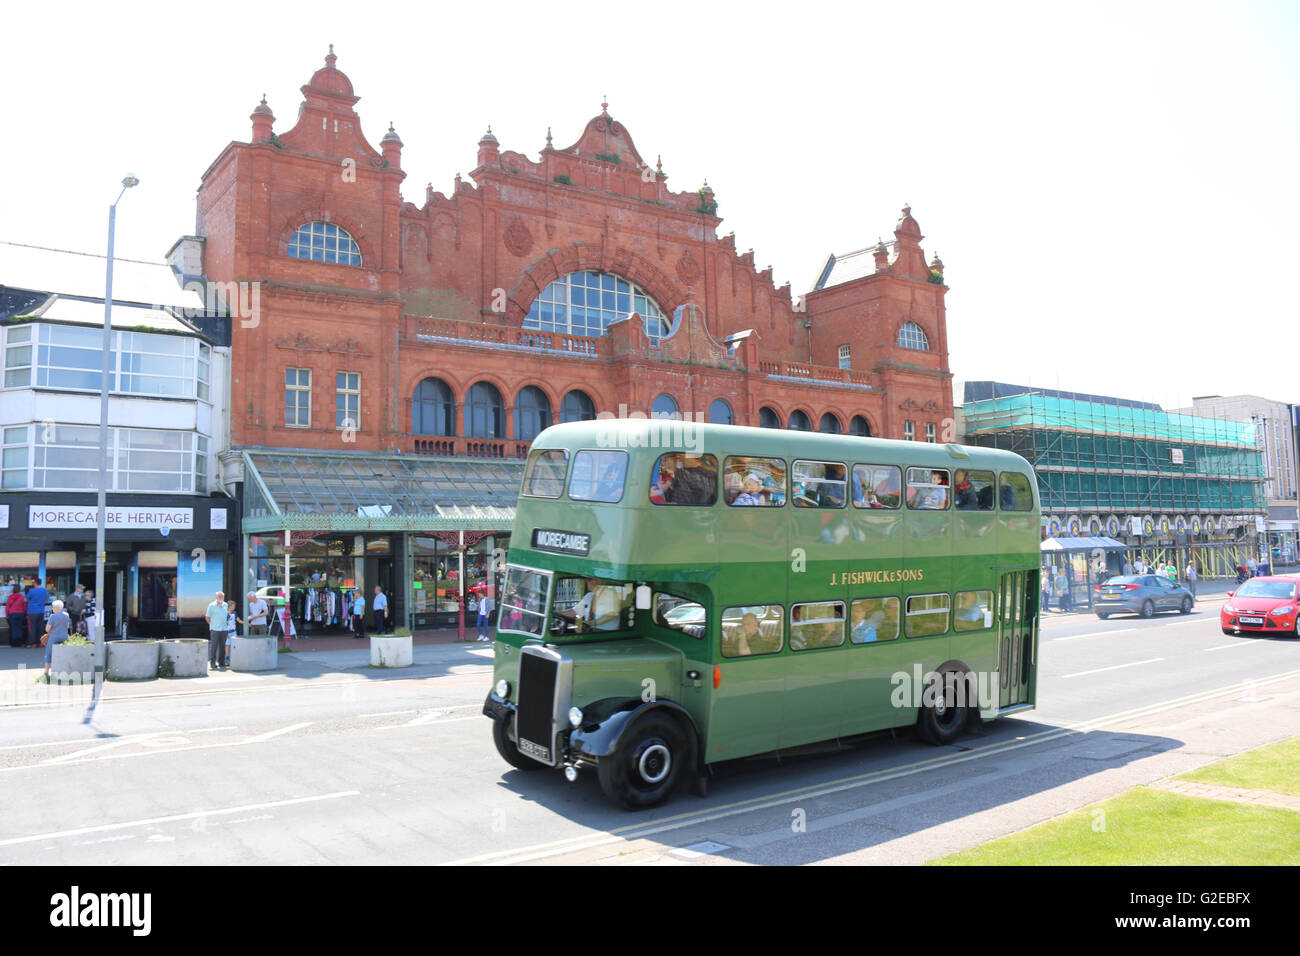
x,y
101,519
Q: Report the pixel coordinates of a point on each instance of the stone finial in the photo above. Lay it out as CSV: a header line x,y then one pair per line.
x,y
330,58
262,118
604,105
391,136
881,254
937,264
488,137
548,137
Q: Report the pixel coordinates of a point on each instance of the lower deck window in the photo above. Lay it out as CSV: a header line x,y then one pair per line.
x,y
751,630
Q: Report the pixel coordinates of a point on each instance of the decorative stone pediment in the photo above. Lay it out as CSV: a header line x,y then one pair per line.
x,y
348,347
302,342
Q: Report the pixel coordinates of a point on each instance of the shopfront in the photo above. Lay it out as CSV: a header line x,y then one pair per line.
x,y
165,555
318,528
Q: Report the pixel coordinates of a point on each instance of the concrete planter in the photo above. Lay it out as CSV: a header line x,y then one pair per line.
x,y
254,653
132,660
72,664
391,652
188,656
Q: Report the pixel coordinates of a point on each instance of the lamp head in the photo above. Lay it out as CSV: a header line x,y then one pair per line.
x,y
128,181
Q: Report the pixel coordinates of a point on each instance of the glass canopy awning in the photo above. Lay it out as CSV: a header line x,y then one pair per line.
x,y
300,490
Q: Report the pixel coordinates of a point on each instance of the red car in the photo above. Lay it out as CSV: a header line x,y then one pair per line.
x,y
1266,605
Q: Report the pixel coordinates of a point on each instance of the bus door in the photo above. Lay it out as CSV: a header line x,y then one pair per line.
x,y
1017,637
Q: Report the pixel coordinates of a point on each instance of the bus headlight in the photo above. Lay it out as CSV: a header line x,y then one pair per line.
x,y
503,689
575,718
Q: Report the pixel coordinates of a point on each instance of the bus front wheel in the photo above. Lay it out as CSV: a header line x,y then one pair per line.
x,y
508,749
942,718
643,771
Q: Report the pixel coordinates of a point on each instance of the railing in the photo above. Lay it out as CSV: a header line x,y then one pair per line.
x,y
456,330
818,373
470,447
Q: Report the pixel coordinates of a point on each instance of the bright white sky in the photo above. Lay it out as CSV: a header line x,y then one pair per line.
x,y
1112,188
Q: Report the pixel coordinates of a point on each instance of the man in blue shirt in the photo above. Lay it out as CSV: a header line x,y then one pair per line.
x,y
36,599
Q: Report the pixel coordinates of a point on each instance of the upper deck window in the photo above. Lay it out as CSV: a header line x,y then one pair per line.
x,y
1014,493
877,486
927,489
598,475
972,490
818,484
816,625
544,475
682,479
754,482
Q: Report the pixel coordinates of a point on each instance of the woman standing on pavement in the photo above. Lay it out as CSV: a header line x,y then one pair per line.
x,y
16,614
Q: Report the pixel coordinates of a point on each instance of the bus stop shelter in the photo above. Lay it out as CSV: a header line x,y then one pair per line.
x,y
1085,562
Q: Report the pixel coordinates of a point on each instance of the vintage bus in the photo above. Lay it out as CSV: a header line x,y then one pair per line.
x,y
678,594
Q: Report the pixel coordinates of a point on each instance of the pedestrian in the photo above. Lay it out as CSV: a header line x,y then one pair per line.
x,y
75,606
359,614
218,616
1128,568
1062,589
1191,577
1046,577
259,615
380,605
16,614
232,629
36,598
1252,569
484,616
1171,572
56,632
1139,566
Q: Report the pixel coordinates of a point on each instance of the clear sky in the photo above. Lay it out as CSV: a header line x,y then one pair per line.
x,y
1112,187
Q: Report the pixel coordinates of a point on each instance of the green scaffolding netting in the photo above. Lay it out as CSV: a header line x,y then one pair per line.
x,y
1041,411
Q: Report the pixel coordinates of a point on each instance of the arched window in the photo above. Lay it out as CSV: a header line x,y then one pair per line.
x,y
799,421
912,336
484,413
768,418
858,426
324,242
665,406
720,413
532,413
585,303
577,407
830,425
433,410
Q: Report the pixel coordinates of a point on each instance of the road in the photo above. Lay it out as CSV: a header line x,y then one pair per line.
x,y
364,767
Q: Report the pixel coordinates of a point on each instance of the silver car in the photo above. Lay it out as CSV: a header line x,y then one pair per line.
x,y
1143,594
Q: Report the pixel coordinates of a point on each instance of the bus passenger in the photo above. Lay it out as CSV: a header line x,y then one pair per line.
x,y
751,491
695,482
1006,495
963,492
865,626
969,609
751,640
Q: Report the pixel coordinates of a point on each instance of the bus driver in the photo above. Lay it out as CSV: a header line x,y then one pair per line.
x,y
601,608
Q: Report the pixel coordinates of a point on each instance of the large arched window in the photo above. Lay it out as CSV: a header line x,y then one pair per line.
x,y
720,413
860,426
799,421
768,418
532,413
665,406
433,410
912,336
484,413
577,407
830,425
585,303
324,242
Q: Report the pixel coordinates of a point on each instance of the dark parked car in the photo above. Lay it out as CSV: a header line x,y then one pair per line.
x,y
1143,594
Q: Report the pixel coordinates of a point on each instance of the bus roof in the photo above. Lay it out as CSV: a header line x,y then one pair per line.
x,y
650,437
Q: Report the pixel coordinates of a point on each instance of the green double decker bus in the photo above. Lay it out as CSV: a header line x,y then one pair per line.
x,y
680,594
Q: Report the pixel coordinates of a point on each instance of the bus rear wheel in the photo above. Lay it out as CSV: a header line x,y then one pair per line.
x,y
941,719
644,770
508,749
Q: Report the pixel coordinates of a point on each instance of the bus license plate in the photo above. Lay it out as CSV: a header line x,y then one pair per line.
x,y
1251,620
536,751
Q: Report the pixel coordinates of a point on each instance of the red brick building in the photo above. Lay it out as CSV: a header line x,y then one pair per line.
x,y
458,327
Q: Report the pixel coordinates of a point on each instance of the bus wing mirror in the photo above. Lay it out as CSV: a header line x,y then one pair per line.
x,y
643,597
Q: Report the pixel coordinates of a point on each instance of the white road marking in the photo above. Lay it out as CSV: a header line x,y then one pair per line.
x,y
276,733
1115,667
390,713
1220,647
141,738
87,740
1075,637
175,818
